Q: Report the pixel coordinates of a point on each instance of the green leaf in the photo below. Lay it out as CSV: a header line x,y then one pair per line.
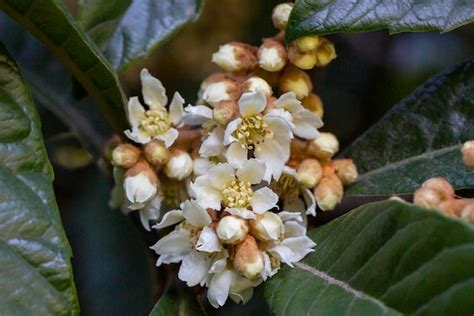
x,y
145,25
36,276
54,26
101,18
175,302
316,17
419,138
383,258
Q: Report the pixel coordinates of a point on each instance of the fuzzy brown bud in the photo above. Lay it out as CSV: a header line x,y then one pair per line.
x,y
426,197
236,57
281,14
454,207
468,154
272,55
310,172
325,53
301,60
324,147
345,170
440,185
248,260
125,156
156,153
314,103
255,83
297,81
225,89
225,111
328,193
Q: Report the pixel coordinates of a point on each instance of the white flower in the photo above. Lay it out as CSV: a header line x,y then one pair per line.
x,y
155,122
139,190
222,185
303,122
231,229
268,136
179,166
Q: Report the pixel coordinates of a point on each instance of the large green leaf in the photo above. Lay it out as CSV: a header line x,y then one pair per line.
x,y
36,276
333,16
419,138
54,26
177,302
145,25
383,258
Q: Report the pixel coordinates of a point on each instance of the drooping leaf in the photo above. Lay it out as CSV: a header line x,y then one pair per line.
x,y
316,17
177,302
383,258
145,25
54,26
100,18
36,276
419,138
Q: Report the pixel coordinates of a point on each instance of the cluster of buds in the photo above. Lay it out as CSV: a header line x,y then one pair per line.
x,y
235,175
437,193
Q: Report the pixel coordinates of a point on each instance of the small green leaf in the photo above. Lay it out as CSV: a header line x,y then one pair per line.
x,y
316,17
36,276
145,25
383,258
54,26
100,18
177,302
419,138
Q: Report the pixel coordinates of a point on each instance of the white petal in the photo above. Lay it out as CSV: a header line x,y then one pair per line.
x,y
137,136
220,262
281,133
176,111
196,115
293,249
151,211
178,242
286,216
252,103
271,153
205,194
195,215
306,124
213,143
153,91
219,288
170,218
221,175
202,165
241,212
139,189
231,127
310,202
169,258
263,200
194,268
169,136
294,229
236,155
208,241
283,114
289,102
136,112
268,271
252,171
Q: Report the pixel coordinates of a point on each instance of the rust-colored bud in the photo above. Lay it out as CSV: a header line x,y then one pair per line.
x,y
297,81
314,103
454,207
255,83
236,57
225,89
440,185
345,170
310,172
328,193
156,153
248,259
324,147
272,55
468,154
225,111
125,156
281,14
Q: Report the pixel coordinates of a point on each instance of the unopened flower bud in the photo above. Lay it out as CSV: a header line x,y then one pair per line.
x,y
216,77
236,57
222,90
346,170
440,185
427,197
179,166
310,172
314,103
468,154
225,111
467,213
125,156
248,260
325,54
297,81
140,184
156,153
324,147
254,84
454,207
281,14
307,44
272,55
328,193
301,60
232,229
267,226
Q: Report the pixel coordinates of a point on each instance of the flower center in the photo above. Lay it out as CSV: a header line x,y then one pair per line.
x,y
156,122
287,187
237,193
252,131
